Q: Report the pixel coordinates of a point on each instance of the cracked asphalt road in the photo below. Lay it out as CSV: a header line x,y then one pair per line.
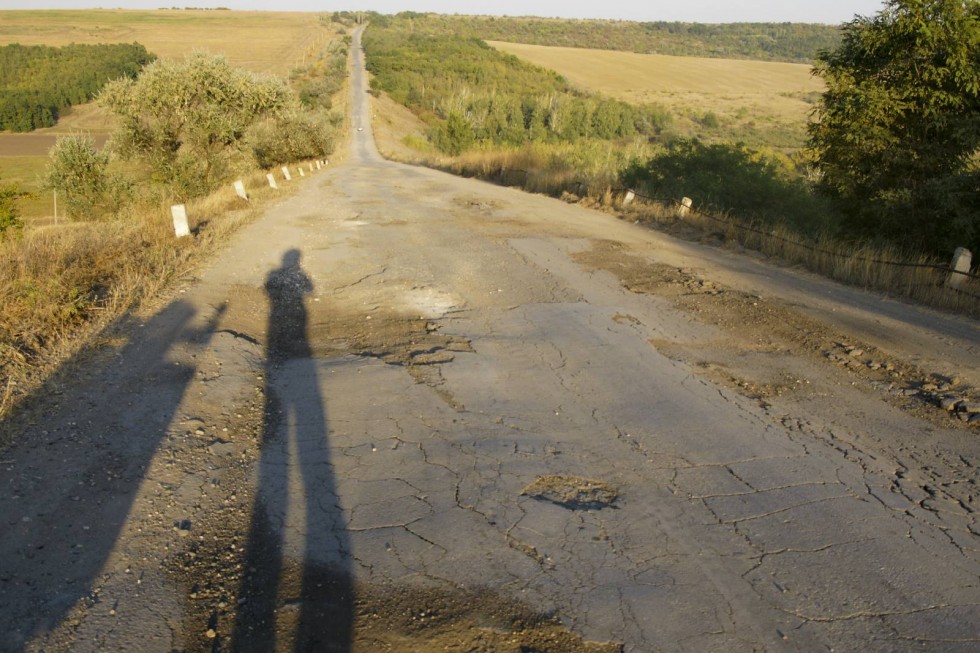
x,y
348,435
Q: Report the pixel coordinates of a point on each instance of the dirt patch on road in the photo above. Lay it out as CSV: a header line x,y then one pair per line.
x,y
572,492
374,329
762,326
337,329
230,608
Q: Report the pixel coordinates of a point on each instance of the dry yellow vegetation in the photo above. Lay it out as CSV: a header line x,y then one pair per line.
x,y
260,41
745,95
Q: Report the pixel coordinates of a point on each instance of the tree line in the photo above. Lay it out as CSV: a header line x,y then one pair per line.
x,y
790,42
38,82
467,93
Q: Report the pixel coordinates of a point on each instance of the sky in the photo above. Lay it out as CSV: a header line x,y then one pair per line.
x,y
701,11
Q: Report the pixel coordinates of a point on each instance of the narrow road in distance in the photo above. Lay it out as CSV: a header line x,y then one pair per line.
x,y
405,411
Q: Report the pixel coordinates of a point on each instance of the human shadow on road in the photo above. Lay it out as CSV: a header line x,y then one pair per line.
x,y
90,449
297,593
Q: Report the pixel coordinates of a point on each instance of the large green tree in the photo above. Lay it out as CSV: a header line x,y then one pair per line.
x,y
898,130
188,120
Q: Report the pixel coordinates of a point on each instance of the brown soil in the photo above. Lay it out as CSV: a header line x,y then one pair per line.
x,y
36,144
572,492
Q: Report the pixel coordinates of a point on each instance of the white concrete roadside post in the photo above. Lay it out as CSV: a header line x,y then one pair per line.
x,y
318,165
685,207
628,198
272,181
179,213
962,260
301,173
240,190
311,167
285,173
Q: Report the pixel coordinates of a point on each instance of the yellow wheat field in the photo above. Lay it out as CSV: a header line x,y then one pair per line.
x,y
273,42
744,95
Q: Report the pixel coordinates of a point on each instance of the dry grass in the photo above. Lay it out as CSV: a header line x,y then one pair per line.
x,y
25,171
60,284
874,267
745,96
394,125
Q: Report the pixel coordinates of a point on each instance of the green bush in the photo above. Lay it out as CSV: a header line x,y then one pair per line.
x,y
501,100
292,136
80,174
750,185
455,136
798,42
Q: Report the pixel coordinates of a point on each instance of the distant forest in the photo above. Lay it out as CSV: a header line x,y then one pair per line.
x,y
790,42
467,92
38,82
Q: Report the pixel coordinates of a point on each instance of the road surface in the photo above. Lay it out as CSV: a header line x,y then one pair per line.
x,y
410,412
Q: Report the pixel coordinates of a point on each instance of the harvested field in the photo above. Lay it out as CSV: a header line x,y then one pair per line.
x,y
273,42
36,143
745,96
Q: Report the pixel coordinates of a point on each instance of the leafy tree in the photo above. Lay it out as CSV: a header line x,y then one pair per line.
x,y
455,136
764,41
188,119
80,172
489,96
899,125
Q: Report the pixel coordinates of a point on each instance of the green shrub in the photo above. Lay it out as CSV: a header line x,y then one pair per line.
x,y
79,172
292,136
711,120
455,136
501,99
39,81
187,120
748,184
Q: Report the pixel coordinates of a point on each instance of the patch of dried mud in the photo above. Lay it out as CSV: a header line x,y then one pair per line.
x,y
335,329
572,492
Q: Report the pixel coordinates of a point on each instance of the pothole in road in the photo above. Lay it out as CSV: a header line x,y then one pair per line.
x,y
573,492
396,339
395,336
